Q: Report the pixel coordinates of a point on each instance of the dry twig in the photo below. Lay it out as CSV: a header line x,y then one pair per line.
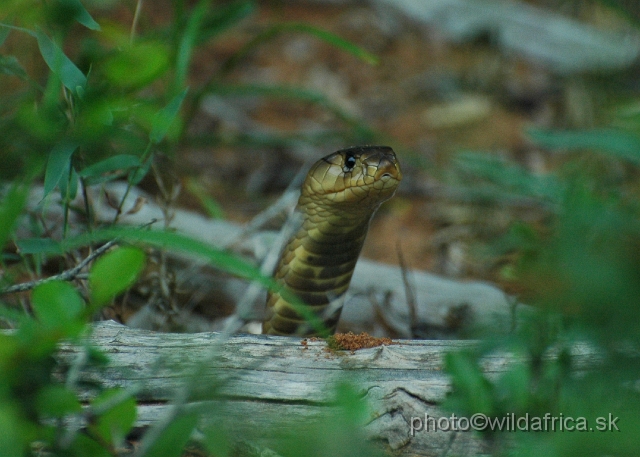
x,y
67,275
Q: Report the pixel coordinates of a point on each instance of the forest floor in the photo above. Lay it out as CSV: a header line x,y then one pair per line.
x,y
428,97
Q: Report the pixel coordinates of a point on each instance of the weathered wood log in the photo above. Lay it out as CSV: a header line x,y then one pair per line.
x,y
255,386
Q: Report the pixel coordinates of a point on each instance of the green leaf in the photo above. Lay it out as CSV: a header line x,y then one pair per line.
x,y
216,440
82,15
59,160
138,65
507,176
57,401
469,382
165,117
224,16
166,239
11,315
96,357
39,246
70,75
10,209
16,432
83,446
352,406
116,421
187,41
57,304
73,184
139,174
114,272
119,162
513,387
174,438
614,142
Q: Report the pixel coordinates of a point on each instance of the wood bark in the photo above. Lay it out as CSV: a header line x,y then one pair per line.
x,y
255,387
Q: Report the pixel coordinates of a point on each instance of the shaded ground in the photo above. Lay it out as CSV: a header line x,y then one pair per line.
x,y
427,98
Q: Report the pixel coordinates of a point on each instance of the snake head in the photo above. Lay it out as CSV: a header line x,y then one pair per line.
x,y
362,176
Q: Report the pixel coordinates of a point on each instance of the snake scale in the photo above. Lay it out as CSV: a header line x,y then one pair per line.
x,y
339,196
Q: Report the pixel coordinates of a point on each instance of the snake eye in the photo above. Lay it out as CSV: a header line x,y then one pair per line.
x,y
349,163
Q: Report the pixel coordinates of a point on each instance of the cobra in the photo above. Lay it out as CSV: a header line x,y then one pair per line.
x,y
338,198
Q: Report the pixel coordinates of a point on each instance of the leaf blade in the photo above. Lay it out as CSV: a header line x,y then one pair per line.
x,y
111,164
57,304
59,161
70,75
114,272
12,205
83,17
174,438
614,142
39,246
165,117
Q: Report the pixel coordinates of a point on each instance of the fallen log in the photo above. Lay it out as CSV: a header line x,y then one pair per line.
x,y
256,386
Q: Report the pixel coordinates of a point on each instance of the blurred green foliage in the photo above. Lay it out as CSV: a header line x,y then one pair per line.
x,y
86,99
580,273
32,402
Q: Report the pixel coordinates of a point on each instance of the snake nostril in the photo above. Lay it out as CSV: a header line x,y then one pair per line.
x,y
386,175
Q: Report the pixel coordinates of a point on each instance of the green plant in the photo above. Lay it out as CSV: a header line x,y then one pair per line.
x,y
33,405
99,103
580,273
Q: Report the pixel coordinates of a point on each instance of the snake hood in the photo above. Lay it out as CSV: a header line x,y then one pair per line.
x,y
339,196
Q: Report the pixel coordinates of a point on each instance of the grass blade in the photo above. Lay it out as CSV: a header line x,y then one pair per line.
x,y
324,35
224,17
187,42
332,39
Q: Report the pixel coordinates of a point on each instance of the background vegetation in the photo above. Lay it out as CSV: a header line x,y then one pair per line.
x,y
85,101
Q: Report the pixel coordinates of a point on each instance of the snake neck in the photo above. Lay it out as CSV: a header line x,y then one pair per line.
x,y
318,262
316,265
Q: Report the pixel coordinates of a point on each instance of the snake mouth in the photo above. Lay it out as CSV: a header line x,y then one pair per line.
x,y
381,164
387,169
